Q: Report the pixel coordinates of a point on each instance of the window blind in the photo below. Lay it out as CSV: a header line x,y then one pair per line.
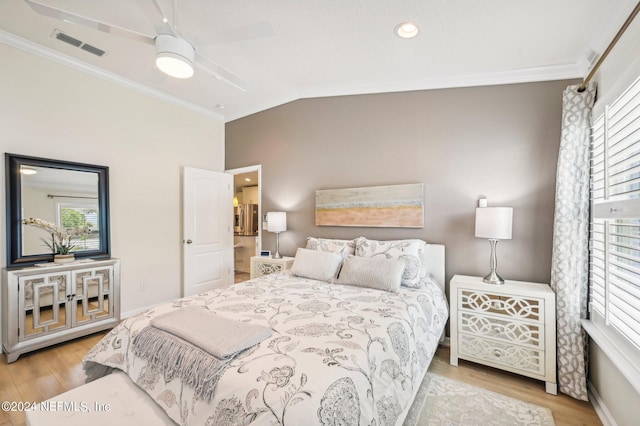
x,y
614,240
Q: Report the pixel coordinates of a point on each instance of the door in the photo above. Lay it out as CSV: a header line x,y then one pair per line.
x,y
207,230
44,304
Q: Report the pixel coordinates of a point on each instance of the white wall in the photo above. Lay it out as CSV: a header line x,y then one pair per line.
x,y
49,110
618,71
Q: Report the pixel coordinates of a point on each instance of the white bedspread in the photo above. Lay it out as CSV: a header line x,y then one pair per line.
x,y
338,354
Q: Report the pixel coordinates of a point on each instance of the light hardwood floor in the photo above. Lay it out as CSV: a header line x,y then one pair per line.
x,y
39,375
241,276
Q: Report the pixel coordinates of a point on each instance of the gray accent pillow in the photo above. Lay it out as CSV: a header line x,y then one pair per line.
x,y
316,264
372,272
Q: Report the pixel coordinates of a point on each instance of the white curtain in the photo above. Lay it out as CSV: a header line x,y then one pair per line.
x,y
570,261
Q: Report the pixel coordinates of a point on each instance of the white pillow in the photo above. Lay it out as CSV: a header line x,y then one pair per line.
x,y
410,251
317,265
373,272
344,247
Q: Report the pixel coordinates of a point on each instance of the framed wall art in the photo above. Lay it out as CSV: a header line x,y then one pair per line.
x,y
393,206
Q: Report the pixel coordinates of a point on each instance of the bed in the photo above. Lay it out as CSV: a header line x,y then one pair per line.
x,y
340,352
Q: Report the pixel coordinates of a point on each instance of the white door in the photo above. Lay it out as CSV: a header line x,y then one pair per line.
x,y
207,231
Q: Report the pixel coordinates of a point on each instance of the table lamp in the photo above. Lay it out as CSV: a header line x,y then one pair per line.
x,y
277,222
494,223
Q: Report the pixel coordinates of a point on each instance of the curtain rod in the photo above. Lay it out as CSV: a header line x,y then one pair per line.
x,y
633,14
69,196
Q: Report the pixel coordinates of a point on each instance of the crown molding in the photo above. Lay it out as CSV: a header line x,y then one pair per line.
x,y
263,106
30,47
527,75
557,72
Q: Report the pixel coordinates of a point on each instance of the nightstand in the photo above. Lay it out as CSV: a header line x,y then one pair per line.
x,y
262,265
511,327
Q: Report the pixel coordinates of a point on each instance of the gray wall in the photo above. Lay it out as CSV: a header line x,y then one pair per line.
x,y
497,141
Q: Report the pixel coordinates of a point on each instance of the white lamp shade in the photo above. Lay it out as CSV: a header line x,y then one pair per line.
x,y
494,222
276,221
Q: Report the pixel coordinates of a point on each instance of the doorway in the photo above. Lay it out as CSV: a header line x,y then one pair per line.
x,y
247,218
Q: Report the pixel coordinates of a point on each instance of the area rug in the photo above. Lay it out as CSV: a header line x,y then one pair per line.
x,y
443,401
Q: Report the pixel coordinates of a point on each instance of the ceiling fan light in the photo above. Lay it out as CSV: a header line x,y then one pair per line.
x,y
174,66
27,170
174,56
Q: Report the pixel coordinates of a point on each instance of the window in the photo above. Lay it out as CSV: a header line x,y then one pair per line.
x,y
614,269
79,214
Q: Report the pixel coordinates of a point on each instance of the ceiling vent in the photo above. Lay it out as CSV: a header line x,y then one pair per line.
x,y
77,43
89,48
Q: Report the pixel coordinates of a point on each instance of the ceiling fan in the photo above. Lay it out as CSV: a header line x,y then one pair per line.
x,y
175,56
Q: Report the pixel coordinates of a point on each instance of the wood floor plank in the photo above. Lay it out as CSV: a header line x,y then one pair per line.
x,y
48,372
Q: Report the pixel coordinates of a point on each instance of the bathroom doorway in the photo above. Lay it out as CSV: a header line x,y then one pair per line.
x,y
247,218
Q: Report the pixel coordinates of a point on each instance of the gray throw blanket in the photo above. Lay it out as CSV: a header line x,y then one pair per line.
x,y
195,345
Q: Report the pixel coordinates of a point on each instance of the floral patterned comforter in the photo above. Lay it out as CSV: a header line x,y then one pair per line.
x,y
338,354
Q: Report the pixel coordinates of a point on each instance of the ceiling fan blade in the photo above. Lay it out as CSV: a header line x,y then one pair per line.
x,y
259,30
73,18
208,66
157,16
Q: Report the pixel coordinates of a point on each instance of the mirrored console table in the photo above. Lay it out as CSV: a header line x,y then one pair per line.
x,y
48,304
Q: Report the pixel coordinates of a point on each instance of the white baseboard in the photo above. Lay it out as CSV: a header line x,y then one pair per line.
x,y
601,409
125,315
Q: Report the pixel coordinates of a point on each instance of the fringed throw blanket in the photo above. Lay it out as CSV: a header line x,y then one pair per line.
x,y
195,345
221,337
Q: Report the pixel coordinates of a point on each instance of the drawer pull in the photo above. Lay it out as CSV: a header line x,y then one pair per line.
x,y
497,353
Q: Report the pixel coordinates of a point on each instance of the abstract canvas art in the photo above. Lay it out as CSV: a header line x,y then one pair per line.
x,y
394,206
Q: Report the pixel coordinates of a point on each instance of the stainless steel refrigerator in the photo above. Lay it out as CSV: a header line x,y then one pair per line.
x,y
246,219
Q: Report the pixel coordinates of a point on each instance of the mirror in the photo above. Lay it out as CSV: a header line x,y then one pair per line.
x,y
68,195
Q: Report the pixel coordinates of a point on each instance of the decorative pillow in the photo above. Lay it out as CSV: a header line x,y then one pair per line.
x,y
409,251
344,247
379,273
317,265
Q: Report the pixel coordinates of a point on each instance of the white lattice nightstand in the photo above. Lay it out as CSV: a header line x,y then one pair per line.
x,y
262,265
511,327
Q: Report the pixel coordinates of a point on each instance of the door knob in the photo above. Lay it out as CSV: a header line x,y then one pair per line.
x,y
188,241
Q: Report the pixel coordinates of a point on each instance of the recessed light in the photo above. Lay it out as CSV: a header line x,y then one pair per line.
x,y
407,30
27,170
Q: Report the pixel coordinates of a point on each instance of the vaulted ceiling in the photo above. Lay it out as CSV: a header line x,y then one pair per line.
x,y
276,51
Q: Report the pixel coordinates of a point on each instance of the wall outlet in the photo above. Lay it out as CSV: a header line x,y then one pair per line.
x,y
143,285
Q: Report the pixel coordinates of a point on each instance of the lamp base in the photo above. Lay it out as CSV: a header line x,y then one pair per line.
x,y
277,254
493,278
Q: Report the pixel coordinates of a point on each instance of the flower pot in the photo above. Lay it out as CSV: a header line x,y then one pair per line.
x,y
63,258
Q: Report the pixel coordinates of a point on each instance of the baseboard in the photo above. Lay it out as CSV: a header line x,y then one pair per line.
x,y
601,409
125,315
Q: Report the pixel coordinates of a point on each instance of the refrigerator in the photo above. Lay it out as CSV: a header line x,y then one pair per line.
x,y
245,219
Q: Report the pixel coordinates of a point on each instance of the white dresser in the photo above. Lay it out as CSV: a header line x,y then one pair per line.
x,y
511,327
42,306
262,265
